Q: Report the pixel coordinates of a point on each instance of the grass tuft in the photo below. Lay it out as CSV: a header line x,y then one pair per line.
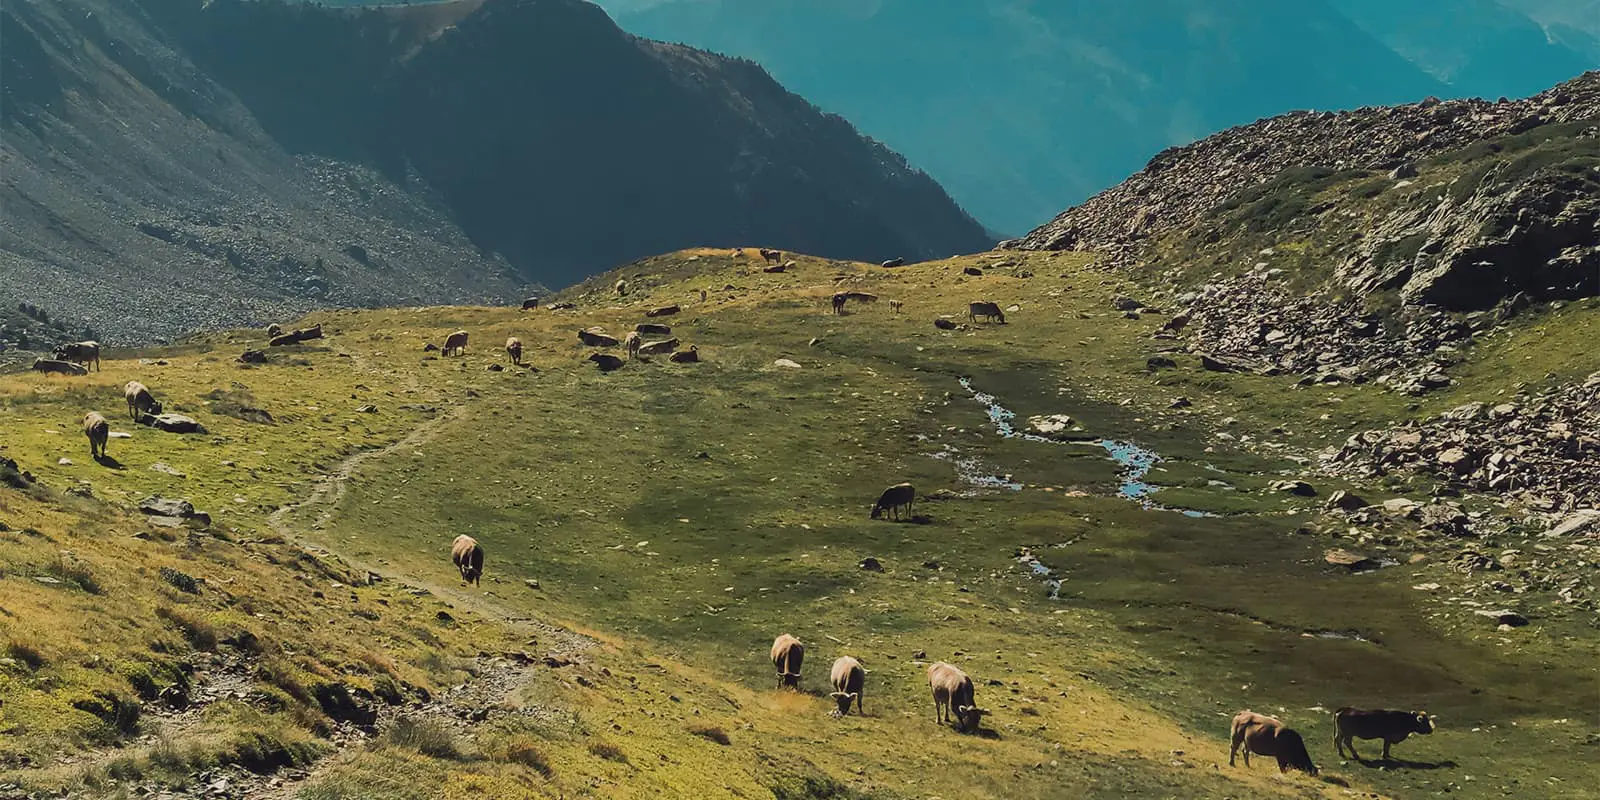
x,y
608,751
712,733
425,736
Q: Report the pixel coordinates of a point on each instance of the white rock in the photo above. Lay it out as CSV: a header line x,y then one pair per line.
x,y
785,363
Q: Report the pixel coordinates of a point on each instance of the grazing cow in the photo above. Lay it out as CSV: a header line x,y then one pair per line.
x,y
689,356
606,362
973,271
848,681
772,256
987,310
530,303
1392,727
140,401
456,343
621,288
50,366
893,262
85,353
514,350
594,337
99,432
787,655
274,331
652,329
702,295
953,696
1266,736
467,555
296,336
632,341
895,306
838,303
893,499
662,347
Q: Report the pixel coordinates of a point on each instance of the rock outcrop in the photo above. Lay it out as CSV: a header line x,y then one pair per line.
x,y
1542,449
1181,185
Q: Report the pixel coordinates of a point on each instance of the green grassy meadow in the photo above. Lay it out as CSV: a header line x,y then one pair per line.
x,y
679,516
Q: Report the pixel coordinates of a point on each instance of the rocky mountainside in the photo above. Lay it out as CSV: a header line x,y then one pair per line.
x,y
1181,185
1370,245
175,164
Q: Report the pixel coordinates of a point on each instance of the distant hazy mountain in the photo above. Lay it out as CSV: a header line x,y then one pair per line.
x,y
1021,108
212,162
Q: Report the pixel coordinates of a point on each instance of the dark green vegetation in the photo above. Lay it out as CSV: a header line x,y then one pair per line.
x,y
683,515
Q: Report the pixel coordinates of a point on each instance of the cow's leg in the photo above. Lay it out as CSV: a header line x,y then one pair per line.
x,y
1233,747
1385,749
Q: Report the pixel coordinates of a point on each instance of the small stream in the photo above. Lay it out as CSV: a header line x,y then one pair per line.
x,y
1136,463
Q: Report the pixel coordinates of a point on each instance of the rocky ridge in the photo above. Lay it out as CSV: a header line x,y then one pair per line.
x,y
1182,184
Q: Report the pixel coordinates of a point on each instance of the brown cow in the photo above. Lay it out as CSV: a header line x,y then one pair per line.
x,y
787,655
1266,736
953,696
632,341
893,499
456,343
848,679
530,303
514,350
467,555
987,310
99,431
1392,727
140,401
896,306
772,256
51,366
85,353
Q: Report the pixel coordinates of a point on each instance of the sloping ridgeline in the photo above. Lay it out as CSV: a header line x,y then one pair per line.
x,y
181,164
1367,245
564,143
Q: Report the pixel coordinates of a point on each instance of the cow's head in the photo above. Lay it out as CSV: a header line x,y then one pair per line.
x,y
1292,753
470,574
877,511
970,717
844,699
155,407
1422,723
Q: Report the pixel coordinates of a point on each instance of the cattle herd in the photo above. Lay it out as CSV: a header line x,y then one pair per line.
x,y
952,689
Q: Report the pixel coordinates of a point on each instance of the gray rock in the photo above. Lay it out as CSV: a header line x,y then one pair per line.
x,y
1504,617
1297,488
